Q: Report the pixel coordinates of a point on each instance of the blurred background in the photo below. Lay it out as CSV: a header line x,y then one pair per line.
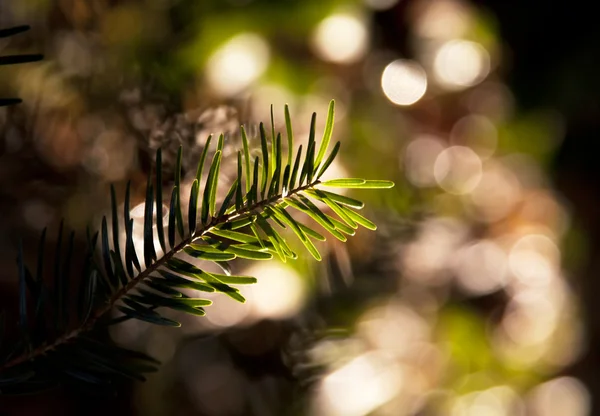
x,y
476,295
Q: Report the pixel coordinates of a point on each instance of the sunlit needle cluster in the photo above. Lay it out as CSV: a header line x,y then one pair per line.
x,y
492,228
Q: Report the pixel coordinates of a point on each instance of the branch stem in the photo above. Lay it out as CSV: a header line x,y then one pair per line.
x,y
90,323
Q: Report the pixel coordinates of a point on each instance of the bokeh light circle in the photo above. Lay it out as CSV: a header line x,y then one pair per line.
x,y
458,170
459,64
404,82
341,38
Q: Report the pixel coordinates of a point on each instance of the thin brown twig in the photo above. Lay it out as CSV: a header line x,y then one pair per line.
x,y
89,324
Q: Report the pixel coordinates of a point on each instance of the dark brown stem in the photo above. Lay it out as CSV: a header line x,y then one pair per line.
x,y
89,324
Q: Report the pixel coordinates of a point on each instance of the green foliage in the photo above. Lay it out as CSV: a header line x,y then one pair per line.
x,y
246,224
